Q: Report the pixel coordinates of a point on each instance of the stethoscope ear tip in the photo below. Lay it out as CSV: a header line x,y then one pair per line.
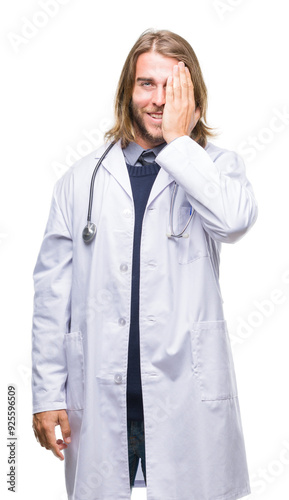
x,y
89,232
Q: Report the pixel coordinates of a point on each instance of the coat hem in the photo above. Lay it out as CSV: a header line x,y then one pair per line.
x,y
234,496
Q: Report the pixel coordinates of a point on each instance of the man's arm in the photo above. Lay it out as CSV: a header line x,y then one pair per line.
x,y
52,282
218,190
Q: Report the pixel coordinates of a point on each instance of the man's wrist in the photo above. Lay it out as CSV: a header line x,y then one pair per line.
x,y
172,137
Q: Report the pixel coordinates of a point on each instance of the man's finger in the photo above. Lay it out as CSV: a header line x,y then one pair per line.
x,y
48,437
183,77
176,82
190,85
64,426
39,432
56,451
52,444
169,89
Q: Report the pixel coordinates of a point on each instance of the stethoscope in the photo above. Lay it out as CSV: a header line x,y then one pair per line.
x,y
89,231
170,233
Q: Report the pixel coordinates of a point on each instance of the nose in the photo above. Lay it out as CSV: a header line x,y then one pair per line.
x,y
159,96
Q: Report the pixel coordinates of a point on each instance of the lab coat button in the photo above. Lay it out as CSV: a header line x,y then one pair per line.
x,y
118,378
123,268
126,212
121,322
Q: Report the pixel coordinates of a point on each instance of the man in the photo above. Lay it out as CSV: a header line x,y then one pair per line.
x,y
131,354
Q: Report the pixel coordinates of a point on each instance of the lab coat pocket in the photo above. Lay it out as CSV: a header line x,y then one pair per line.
x,y
213,361
75,368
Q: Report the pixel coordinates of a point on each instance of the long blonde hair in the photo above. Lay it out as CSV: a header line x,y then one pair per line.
x,y
168,44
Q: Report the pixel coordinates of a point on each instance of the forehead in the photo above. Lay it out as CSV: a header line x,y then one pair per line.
x,y
154,65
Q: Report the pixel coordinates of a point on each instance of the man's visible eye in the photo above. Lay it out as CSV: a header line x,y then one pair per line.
x,y
146,84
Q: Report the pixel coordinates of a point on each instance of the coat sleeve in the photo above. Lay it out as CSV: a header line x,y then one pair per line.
x,y
218,190
51,318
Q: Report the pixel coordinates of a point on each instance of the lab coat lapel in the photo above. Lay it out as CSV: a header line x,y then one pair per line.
x,y
163,179
115,164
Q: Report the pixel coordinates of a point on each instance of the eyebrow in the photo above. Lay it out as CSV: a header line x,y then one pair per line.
x,y
141,79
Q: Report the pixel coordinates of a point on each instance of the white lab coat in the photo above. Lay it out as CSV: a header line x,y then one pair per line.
x,y
193,433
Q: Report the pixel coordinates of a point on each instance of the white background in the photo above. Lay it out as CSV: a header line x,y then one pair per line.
x,y
58,83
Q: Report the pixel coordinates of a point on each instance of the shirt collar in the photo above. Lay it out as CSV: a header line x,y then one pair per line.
x,y
133,151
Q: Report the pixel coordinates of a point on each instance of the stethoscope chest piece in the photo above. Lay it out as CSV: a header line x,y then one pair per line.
x,y
89,232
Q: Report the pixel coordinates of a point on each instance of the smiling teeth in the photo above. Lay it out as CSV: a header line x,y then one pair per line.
x,y
157,115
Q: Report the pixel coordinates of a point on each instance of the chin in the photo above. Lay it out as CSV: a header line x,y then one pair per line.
x,y
151,135
155,135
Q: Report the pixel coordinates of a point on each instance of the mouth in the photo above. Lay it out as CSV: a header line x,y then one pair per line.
x,y
156,117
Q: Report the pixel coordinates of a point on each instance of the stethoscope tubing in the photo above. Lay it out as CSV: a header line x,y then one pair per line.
x,y
93,181
171,233
89,231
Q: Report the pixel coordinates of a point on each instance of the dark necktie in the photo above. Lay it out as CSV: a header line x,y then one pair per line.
x,y
147,158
